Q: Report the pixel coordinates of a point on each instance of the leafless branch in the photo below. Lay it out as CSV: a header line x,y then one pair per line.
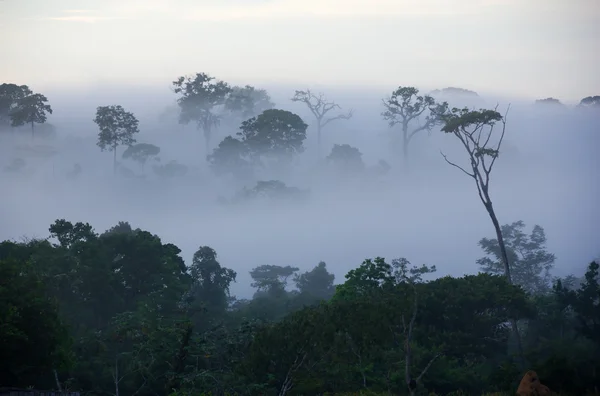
x,y
456,166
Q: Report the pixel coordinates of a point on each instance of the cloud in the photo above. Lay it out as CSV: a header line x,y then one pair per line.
x,y
345,8
81,18
78,11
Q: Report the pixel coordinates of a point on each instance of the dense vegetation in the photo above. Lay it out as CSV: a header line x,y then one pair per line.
x,y
121,313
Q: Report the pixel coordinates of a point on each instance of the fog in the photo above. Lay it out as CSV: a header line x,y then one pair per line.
x,y
547,174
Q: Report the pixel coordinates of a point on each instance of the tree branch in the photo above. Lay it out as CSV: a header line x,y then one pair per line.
x,y
457,166
427,367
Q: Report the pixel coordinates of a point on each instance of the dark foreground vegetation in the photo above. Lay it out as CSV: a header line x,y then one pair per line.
x,y
120,313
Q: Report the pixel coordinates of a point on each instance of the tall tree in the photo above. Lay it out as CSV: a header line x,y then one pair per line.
x,y
274,133
10,94
405,107
32,110
271,278
248,101
319,106
584,302
530,262
199,96
211,282
474,129
117,127
141,152
317,282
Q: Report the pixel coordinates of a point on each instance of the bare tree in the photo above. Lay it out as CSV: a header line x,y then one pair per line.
x,y
474,129
320,107
410,277
405,107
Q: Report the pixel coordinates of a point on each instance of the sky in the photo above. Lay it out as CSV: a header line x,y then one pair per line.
x,y
528,48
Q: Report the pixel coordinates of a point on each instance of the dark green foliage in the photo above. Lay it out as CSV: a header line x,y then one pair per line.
x,y
120,313
33,339
274,133
274,136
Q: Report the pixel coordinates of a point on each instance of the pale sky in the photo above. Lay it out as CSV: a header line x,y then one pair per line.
x,y
532,48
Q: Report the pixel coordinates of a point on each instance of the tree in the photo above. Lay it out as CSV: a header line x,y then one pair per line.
x,y
319,106
117,127
33,339
549,101
474,130
590,102
141,152
211,282
248,101
170,169
199,96
317,282
406,106
30,109
10,95
271,278
530,262
584,302
274,133
346,158
231,156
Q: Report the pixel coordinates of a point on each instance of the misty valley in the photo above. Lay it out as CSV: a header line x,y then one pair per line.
x,y
222,239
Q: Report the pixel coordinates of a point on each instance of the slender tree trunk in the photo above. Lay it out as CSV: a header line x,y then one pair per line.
x,y
58,386
32,131
319,140
504,255
405,142
115,160
207,136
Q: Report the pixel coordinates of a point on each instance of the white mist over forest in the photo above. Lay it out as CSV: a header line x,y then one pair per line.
x,y
430,213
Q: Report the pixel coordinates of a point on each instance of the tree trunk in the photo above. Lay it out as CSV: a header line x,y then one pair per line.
x,y
319,140
115,160
504,255
405,142
32,131
207,135
58,386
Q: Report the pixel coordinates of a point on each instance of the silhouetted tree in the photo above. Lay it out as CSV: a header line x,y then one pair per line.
x,y
30,109
199,97
248,101
474,130
141,152
319,106
117,127
10,94
405,107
